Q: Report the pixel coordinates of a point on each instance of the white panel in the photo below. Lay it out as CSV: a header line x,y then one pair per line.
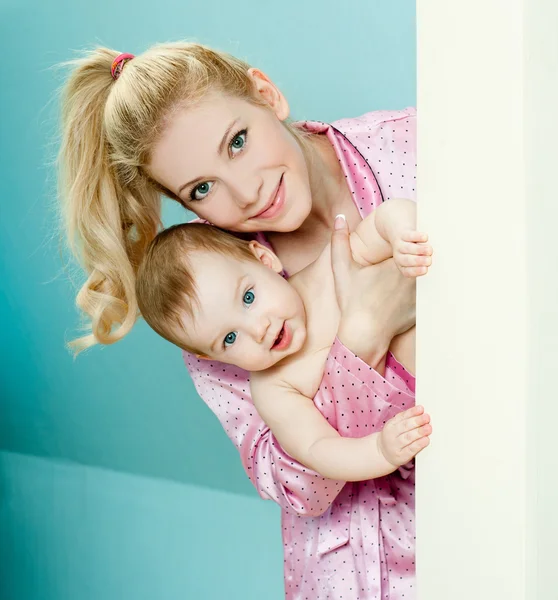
x,y
472,312
541,153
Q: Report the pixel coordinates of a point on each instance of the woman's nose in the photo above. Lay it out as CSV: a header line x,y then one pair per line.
x,y
246,191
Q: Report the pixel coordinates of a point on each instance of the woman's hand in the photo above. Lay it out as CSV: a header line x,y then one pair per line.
x,y
376,302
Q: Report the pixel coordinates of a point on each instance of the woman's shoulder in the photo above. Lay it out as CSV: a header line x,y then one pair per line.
x,y
374,119
386,140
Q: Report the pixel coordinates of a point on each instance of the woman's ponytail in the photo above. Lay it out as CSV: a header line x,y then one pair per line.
x,y
109,222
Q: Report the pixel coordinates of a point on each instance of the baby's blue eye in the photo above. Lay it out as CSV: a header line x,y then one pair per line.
x,y
238,142
230,338
201,190
249,297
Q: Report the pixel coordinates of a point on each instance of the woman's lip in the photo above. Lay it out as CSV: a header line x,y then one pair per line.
x,y
286,339
275,206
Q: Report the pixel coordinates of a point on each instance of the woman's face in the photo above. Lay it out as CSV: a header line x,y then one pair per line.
x,y
234,163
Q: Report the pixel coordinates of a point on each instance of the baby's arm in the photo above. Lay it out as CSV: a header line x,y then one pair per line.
x,y
388,231
306,436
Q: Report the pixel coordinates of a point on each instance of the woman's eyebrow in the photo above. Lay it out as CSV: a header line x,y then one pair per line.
x,y
226,135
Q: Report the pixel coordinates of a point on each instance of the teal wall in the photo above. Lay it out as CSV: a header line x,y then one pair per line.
x,y
77,533
130,409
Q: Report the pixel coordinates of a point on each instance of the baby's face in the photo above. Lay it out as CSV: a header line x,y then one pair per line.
x,y
248,314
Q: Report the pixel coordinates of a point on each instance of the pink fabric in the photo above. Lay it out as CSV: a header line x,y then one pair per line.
x,y
351,541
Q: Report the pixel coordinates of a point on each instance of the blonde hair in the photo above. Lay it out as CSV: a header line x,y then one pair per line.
x,y
111,206
166,287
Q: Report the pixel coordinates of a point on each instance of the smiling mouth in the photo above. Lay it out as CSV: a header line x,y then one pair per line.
x,y
275,203
284,338
279,337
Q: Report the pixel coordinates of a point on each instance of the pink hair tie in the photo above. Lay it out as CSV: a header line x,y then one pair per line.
x,y
118,64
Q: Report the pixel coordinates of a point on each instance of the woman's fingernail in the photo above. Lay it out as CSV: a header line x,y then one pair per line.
x,y
339,222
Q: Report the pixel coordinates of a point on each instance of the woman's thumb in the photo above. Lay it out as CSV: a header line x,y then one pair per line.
x,y
340,255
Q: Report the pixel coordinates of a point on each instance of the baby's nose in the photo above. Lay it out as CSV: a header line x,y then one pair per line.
x,y
260,329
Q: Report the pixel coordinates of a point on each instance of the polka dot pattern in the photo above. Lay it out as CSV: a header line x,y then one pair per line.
x,y
351,541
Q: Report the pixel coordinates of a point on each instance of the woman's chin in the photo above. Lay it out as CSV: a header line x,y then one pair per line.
x,y
286,222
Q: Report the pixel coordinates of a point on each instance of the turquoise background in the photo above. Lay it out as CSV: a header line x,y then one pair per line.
x,y
116,481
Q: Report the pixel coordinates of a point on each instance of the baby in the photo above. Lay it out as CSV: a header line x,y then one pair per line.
x,y
223,298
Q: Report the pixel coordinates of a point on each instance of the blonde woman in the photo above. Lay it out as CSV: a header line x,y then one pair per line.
x,y
208,131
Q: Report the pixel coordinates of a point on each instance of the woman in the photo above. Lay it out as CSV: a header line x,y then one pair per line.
x,y
208,131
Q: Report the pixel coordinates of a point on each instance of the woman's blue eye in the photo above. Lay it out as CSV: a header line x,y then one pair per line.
x,y
201,190
238,142
249,297
230,338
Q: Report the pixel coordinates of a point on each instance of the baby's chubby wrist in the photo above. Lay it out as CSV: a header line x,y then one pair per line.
x,y
394,234
398,216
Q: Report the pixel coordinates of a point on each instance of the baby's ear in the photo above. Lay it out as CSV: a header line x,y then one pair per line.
x,y
266,256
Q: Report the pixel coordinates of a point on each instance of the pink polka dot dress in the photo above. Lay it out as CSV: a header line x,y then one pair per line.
x,y
342,541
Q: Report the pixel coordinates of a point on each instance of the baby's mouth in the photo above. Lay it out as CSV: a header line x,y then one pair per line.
x,y
279,337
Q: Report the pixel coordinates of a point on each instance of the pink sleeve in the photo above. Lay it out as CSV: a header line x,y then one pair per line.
x,y
276,476
356,400
353,396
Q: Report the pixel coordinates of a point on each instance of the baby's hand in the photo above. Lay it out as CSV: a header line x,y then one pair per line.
x,y
404,436
411,253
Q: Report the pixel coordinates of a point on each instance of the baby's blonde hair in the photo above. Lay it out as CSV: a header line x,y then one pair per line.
x,y
165,285
111,206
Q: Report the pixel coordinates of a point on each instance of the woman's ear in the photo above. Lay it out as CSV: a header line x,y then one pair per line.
x,y
266,256
270,93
